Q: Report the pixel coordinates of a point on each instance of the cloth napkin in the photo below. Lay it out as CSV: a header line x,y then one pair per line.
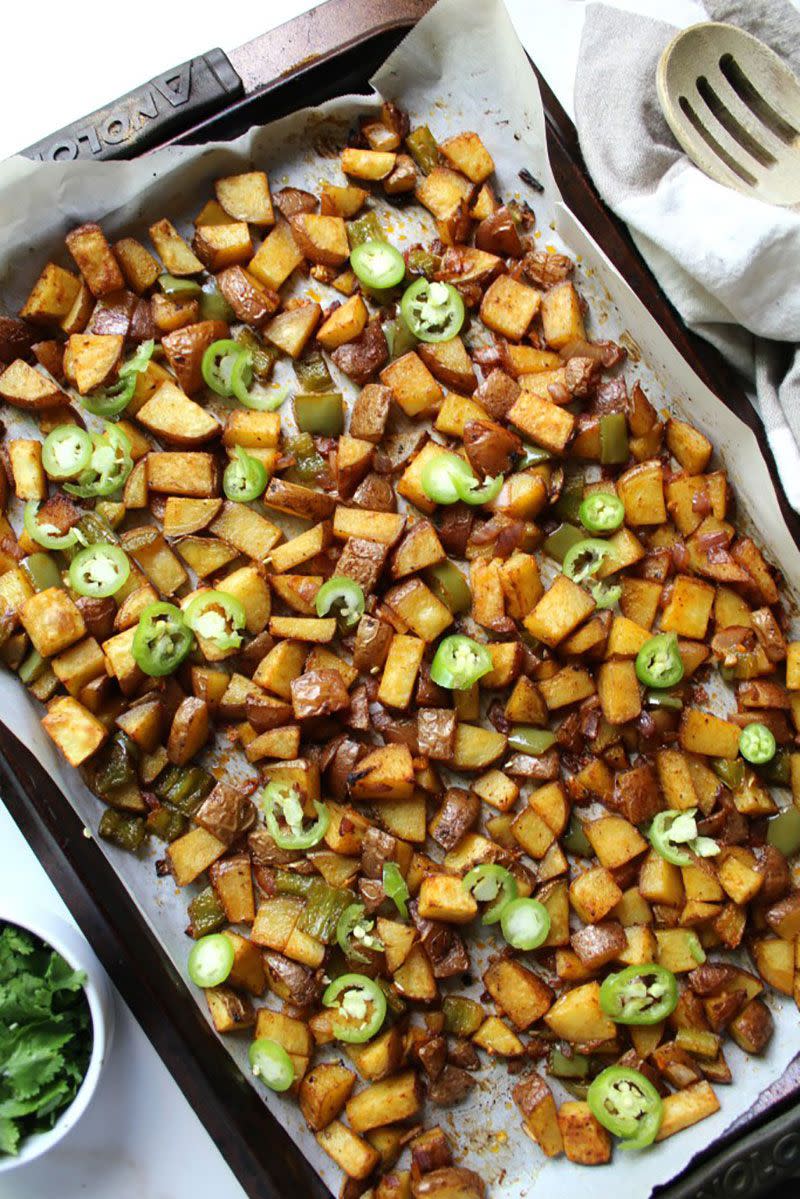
x,y
729,263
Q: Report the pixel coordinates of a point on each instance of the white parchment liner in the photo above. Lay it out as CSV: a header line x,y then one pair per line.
x,y
461,68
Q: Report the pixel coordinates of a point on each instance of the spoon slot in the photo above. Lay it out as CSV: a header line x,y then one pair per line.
x,y
760,108
729,122
739,171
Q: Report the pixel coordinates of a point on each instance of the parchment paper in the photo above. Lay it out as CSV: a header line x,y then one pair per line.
x,y
461,68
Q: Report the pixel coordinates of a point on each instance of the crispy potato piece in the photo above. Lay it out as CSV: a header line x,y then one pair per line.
x,y
173,250
367,164
320,238
172,417
25,387
52,296
94,259
585,1140
508,307
246,197
291,330
76,732
189,474
140,268
90,358
185,348
250,301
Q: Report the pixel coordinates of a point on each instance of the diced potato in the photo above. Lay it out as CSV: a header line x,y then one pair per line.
x,y
140,268
412,385
94,259
535,1101
189,474
498,1039
585,1140
276,258
547,424
246,530
683,1108
351,1152
467,153
76,732
562,316
385,1102
560,610
614,840
401,670
321,238
519,992
344,324
229,1011
291,330
476,747
385,773
193,853
173,250
27,472
246,197
367,164
619,691
385,527
52,621
577,1016
689,608
508,307
443,192
442,897
688,445
704,733
52,296
593,894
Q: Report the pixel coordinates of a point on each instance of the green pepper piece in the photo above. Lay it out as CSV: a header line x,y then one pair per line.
x,y
673,834
162,640
628,1105
355,934
561,1066
568,505
532,455
206,913
583,560
365,228
213,305
778,771
45,534
472,492
462,1016
492,885
396,888
184,787
218,362
614,448
561,541
421,261
757,744
360,1008
459,662
165,824
288,883
211,960
108,468
643,994
601,512
663,699
42,571
66,451
245,477
321,414
283,809
271,1064
377,264
218,618
575,840
433,311
449,585
263,356
99,570
126,832
659,663
32,667
172,285
439,475
421,145
399,337
783,831
729,771
342,597
313,374
525,923
309,463
526,739
321,915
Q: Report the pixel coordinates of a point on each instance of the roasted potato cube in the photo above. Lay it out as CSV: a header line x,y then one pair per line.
x,y
400,671
367,164
467,153
140,268
619,691
535,1101
593,894
385,773
52,296
705,733
229,1011
351,1152
683,1108
291,330
519,992
173,250
76,732
689,608
549,425
276,258
95,260
585,1140
508,307
560,610
412,384
246,197
23,386
577,1016
344,324
562,316
189,474
688,445
324,1092
193,853
443,192
442,897
52,621
320,238
385,1102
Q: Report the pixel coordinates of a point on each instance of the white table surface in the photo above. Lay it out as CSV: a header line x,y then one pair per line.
x,y
140,1139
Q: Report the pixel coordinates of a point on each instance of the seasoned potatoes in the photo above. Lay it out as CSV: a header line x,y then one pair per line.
x,y
381,670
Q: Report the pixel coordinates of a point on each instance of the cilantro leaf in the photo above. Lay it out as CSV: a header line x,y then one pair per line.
x,y
45,1036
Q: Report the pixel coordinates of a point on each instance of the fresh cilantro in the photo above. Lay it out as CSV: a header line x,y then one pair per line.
x,y
45,1036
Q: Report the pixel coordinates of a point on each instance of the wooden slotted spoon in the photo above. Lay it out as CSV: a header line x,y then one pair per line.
x,y
734,106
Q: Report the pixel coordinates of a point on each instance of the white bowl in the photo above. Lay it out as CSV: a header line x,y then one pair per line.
x,y
72,946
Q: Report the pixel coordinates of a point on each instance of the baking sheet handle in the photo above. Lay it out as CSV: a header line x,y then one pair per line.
x,y
148,115
755,1164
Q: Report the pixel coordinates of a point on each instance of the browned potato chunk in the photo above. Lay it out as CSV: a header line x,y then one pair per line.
x,y
246,197
95,260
